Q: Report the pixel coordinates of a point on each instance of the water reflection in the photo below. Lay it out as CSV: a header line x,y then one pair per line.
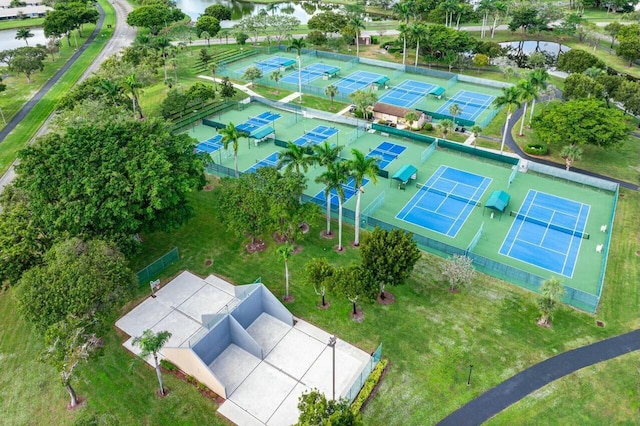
x,y
8,39
519,51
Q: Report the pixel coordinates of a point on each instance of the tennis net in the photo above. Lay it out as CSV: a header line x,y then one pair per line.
x,y
411,92
469,103
358,80
575,232
424,187
268,64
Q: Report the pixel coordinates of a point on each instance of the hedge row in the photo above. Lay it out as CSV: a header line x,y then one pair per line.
x,y
369,385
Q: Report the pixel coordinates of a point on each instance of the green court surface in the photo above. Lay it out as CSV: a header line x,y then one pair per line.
x,y
317,86
587,272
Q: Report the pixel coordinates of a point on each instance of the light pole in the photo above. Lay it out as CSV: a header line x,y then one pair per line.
x,y
332,344
195,118
469,379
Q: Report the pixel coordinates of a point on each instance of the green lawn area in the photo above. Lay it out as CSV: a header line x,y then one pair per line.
x,y
36,117
594,387
21,23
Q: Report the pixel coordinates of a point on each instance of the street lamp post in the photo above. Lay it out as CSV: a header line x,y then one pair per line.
x,y
195,118
469,379
332,344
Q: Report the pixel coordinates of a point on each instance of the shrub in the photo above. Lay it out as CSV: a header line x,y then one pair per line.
x,y
428,127
168,365
536,149
369,385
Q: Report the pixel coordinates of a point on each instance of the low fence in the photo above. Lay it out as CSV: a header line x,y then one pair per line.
x,y
362,377
573,176
153,269
483,81
439,116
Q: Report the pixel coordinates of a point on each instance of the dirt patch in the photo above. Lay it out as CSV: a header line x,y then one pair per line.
x,y
543,324
296,249
81,403
304,227
638,253
324,307
327,236
160,395
600,323
289,299
255,247
208,262
204,391
358,316
208,188
279,238
388,298
354,245
338,249
454,290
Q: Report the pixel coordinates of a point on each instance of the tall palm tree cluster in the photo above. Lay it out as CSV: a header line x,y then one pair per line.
x,y
526,91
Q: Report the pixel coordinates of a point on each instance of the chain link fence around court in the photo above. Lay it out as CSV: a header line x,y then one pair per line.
x,y
153,269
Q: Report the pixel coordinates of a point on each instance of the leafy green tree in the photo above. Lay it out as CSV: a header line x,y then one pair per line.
x,y
458,271
252,74
480,60
318,272
570,154
361,167
205,57
58,23
411,117
629,42
581,122
316,38
227,90
580,86
231,135
455,110
200,93
551,292
611,83
281,26
295,157
176,102
511,99
628,93
241,38
218,11
364,101
577,60
134,86
153,16
24,34
316,410
526,17
3,87
28,62
276,76
334,180
74,181
76,278
68,343
327,22
445,126
209,24
354,283
298,44
388,257
150,343
325,155
612,29
537,60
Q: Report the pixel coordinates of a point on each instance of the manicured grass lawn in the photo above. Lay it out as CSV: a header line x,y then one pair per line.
x,y
28,127
21,23
594,387
271,92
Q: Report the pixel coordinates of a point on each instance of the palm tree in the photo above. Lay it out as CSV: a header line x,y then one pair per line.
x,y
230,134
24,34
111,90
276,76
294,157
357,23
3,87
361,167
551,293
325,155
298,44
538,79
205,35
285,251
475,129
510,98
331,91
527,94
162,43
214,66
455,110
418,33
571,153
403,11
133,85
445,127
334,179
151,343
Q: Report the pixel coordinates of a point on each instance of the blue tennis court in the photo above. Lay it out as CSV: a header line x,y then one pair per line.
x,y
472,104
349,189
310,73
386,152
270,161
547,232
445,201
407,93
268,65
358,80
254,123
210,145
316,136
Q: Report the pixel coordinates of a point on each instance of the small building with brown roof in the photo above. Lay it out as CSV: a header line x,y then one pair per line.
x,y
391,114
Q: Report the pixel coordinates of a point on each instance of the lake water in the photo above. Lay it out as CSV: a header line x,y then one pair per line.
x,y
528,47
8,39
301,10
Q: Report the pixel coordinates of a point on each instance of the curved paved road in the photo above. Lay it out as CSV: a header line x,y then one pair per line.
x,y
522,384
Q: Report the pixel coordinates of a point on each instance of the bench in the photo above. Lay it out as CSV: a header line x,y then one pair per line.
x,y
599,248
603,228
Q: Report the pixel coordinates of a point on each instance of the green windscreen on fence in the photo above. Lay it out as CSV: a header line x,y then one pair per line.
x,y
154,268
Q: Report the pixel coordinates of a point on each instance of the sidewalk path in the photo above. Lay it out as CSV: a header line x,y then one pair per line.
x,y
522,384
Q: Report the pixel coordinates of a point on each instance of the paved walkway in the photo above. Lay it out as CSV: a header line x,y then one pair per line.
x,y
522,384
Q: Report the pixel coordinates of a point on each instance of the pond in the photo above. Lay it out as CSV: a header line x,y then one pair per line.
x,y
8,38
519,51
